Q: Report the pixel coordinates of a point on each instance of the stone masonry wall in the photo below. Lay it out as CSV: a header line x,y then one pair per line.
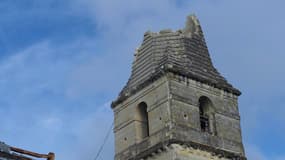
x,y
185,94
179,152
156,97
173,114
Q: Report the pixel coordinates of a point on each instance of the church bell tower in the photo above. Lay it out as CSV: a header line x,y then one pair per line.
x,y
176,105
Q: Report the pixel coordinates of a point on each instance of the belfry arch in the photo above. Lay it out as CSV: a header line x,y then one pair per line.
x,y
142,121
207,115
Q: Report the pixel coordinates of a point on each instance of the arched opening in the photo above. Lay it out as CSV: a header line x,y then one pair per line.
x,y
207,115
142,118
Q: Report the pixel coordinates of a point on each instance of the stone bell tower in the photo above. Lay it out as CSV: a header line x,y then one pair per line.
x,y
176,105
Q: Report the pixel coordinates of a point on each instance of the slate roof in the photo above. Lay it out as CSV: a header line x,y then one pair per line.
x,y
182,52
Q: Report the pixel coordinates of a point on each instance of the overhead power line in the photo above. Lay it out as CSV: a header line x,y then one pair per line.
x,y
104,141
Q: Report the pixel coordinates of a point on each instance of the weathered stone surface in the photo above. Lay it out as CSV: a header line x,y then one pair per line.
x,y
171,72
184,52
174,115
179,152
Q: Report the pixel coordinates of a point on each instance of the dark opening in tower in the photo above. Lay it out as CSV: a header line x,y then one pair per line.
x,y
207,119
142,118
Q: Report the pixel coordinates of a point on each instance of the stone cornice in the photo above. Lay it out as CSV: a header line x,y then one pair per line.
x,y
165,145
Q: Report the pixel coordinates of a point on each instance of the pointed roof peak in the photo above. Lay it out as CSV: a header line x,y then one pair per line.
x,y
182,52
192,26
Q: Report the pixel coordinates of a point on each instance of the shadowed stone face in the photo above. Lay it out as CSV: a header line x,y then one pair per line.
x,y
175,87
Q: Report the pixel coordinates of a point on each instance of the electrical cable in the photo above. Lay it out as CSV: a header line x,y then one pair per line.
x,y
104,141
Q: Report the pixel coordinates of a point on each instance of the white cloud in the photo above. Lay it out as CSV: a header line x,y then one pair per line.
x,y
85,135
253,152
33,86
92,129
101,66
116,15
51,123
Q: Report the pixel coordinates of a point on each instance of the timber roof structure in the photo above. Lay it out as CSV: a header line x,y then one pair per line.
x,y
12,153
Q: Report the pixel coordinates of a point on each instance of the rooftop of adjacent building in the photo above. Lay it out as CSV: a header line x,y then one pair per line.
x,y
12,153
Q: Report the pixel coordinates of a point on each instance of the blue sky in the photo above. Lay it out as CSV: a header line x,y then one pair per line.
x,y
63,62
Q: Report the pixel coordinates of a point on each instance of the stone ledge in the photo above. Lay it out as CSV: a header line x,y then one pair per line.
x,y
165,145
163,71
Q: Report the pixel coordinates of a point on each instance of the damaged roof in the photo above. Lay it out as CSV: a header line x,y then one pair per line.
x,y
183,52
